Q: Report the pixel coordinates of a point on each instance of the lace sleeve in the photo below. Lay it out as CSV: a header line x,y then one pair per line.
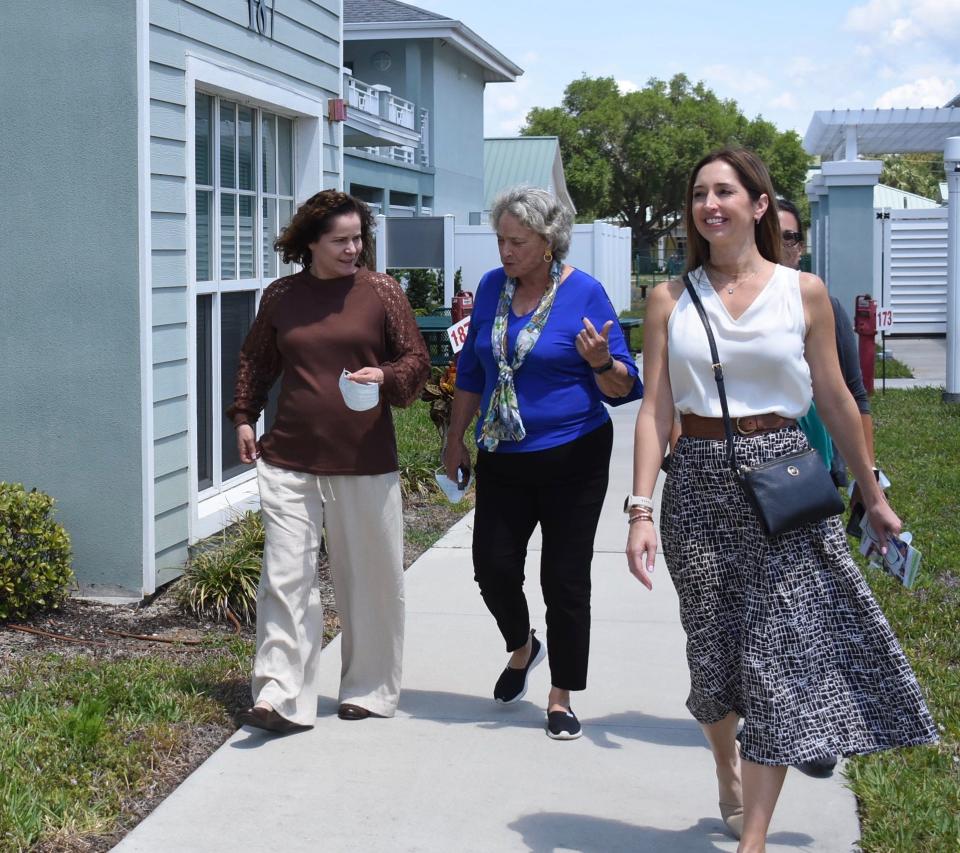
x,y
408,366
259,362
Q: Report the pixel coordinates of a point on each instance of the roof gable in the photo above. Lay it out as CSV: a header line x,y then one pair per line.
x,y
385,11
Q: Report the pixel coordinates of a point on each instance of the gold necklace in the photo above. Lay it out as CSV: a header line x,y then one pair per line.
x,y
740,283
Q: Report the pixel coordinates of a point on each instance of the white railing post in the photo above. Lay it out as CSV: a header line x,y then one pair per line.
x,y
449,259
951,165
381,221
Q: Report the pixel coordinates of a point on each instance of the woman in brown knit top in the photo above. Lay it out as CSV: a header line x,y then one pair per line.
x,y
324,467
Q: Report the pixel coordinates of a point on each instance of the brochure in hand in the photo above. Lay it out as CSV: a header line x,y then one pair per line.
x,y
856,504
902,560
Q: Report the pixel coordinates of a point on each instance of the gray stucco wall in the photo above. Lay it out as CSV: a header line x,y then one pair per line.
x,y
69,298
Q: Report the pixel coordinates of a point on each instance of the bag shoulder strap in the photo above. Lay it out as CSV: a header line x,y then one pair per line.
x,y
717,369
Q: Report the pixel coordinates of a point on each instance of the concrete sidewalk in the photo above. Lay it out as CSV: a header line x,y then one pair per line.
x,y
926,358
455,772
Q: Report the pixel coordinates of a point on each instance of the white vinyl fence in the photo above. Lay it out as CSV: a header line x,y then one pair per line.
x,y
600,249
910,268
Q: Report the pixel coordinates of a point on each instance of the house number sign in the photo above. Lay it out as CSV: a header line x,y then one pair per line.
x,y
261,17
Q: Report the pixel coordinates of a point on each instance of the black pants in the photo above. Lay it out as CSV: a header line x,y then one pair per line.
x,y
562,488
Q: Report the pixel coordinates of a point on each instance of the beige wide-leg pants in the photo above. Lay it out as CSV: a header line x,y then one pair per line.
x,y
363,519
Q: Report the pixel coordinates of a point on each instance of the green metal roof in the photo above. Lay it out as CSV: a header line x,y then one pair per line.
x,y
531,160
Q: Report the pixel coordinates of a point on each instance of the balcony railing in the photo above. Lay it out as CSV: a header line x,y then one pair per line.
x,y
363,97
377,100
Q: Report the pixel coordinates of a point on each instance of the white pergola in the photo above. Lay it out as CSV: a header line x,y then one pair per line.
x,y
844,135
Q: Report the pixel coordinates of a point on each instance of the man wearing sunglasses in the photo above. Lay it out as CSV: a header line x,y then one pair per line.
x,y
791,235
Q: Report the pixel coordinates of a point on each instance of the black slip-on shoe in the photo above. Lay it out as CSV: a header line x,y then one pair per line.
x,y
563,725
512,683
268,720
819,768
348,711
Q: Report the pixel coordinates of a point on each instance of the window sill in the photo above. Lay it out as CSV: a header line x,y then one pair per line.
x,y
219,511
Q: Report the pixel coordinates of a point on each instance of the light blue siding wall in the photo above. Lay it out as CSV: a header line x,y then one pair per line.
x,y
303,56
457,129
850,246
410,76
448,84
69,300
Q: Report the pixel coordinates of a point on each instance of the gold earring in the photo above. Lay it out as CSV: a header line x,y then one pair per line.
x,y
547,256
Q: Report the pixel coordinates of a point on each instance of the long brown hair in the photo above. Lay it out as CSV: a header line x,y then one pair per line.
x,y
755,178
314,218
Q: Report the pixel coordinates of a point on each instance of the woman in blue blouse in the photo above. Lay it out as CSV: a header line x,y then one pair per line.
x,y
543,353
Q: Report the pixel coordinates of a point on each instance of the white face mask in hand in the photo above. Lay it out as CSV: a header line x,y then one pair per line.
x,y
358,396
452,491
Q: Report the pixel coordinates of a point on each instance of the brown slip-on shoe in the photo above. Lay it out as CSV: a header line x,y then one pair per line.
x,y
268,720
352,712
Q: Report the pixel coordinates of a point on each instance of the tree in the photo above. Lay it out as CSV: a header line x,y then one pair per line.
x,y
914,173
627,156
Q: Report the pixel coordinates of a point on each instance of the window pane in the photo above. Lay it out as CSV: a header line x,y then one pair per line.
x,y
246,236
245,159
203,140
286,214
228,236
236,315
204,216
268,144
205,392
284,156
228,144
269,235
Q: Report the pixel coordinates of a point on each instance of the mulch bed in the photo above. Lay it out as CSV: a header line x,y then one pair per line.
x,y
158,628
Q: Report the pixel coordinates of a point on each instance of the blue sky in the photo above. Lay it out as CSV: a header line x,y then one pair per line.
x,y
783,61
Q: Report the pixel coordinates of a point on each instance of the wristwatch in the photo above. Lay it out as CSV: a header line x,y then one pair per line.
x,y
603,368
637,502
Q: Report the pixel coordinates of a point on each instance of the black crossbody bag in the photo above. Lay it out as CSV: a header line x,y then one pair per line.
x,y
787,492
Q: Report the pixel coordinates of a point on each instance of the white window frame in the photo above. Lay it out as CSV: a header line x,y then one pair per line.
x,y
212,509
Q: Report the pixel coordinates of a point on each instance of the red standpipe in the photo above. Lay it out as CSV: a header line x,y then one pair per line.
x,y
461,306
865,325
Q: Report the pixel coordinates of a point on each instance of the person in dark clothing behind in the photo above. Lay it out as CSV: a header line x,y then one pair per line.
x,y
791,235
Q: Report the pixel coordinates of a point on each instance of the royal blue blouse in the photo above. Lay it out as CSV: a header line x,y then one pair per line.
x,y
557,391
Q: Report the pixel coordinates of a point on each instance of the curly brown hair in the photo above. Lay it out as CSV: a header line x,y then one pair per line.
x,y
314,218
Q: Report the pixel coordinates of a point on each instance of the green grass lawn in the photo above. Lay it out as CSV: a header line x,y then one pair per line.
x,y
895,370
910,799
80,735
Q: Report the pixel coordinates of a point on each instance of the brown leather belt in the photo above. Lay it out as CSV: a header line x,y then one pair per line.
x,y
698,427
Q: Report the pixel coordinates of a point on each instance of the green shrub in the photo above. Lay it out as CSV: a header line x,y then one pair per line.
x,y
221,580
35,568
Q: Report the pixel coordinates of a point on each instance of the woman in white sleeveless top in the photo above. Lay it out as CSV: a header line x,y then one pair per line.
x,y
782,632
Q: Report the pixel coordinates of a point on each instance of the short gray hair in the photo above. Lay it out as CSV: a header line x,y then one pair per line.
x,y
539,211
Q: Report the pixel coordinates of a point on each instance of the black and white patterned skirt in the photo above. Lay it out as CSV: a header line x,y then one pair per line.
x,y
782,631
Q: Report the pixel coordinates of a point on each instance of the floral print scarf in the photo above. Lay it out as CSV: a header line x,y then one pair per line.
x,y
503,421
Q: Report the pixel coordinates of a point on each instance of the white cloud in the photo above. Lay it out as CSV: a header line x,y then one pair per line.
x,y
871,17
726,79
786,101
626,86
924,92
908,22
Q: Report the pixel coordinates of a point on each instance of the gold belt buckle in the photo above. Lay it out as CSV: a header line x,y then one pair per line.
x,y
743,431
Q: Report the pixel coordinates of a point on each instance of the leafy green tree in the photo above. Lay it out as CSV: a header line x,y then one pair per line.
x,y
627,155
914,173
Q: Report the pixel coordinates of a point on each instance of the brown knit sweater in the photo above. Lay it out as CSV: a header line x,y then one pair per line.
x,y
310,330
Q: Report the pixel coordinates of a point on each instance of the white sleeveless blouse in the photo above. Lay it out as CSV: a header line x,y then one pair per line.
x,y
761,352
